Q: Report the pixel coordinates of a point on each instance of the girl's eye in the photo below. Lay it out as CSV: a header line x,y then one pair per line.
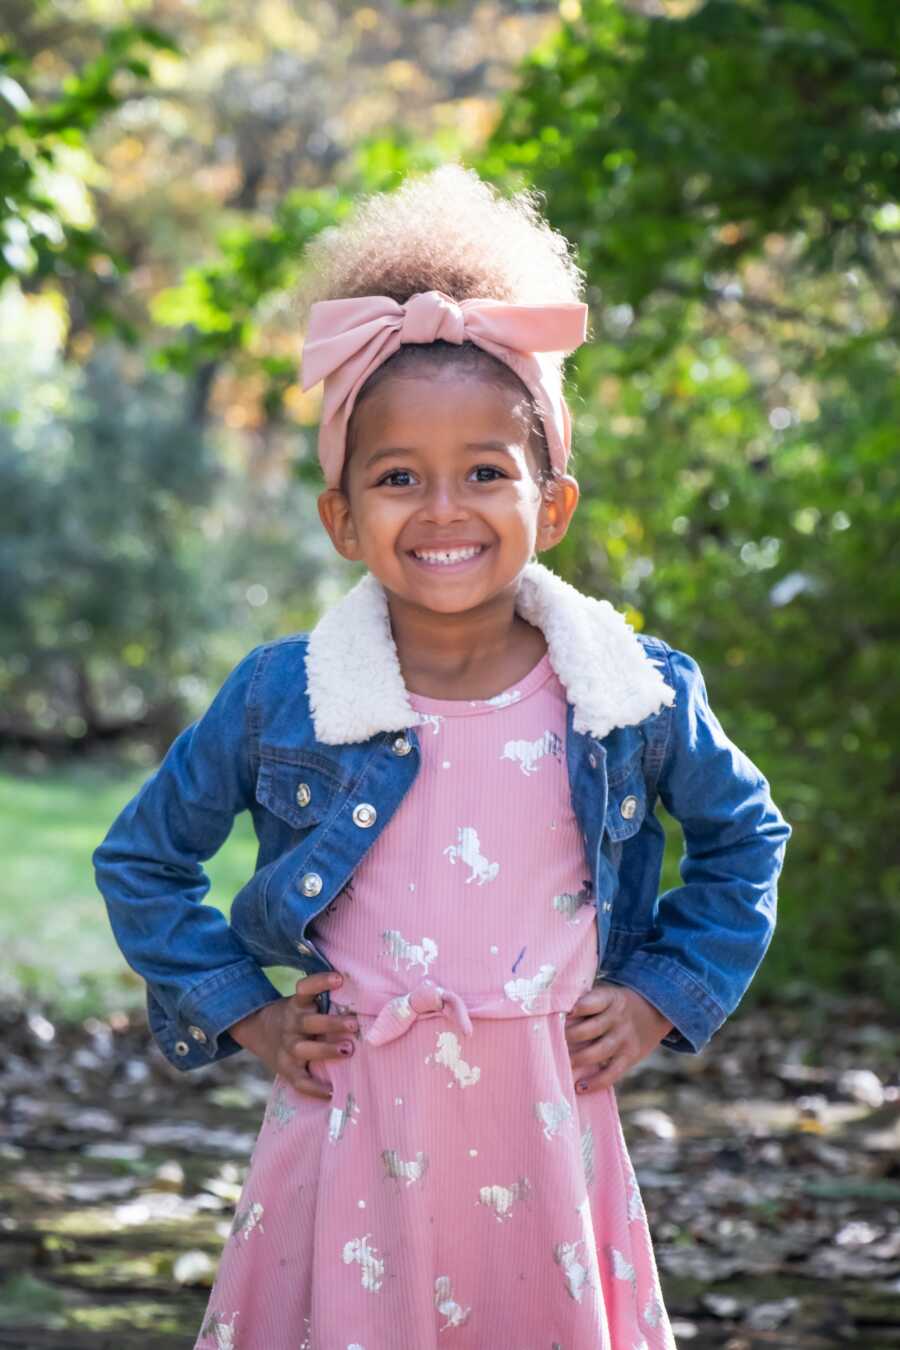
x,y
393,474
478,469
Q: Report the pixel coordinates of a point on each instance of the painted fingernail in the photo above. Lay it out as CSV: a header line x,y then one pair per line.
x,y
345,1047
581,1085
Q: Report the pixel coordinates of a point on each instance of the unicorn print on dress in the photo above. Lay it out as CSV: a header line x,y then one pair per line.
x,y
567,1256
434,718
621,1268
411,1171
448,1054
222,1331
553,1115
587,1154
635,1202
338,1117
570,903
245,1220
527,754
446,1304
279,1111
414,954
502,1199
498,701
468,848
371,1264
527,991
653,1311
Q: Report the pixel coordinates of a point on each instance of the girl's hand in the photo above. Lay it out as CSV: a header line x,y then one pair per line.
x,y
614,1027
287,1034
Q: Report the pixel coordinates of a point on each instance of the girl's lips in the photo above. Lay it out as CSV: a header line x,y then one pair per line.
x,y
461,566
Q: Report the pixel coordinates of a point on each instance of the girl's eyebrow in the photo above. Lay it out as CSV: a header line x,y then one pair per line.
x,y
410,450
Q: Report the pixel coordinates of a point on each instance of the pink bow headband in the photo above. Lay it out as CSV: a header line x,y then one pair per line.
x,y
348,339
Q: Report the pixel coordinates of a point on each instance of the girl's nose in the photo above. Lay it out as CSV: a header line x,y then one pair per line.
x,y
441,504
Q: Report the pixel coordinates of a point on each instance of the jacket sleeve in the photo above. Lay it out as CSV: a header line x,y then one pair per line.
x,y
200,979
711,933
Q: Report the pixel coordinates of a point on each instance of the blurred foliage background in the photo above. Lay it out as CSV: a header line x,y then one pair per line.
x,y
730,172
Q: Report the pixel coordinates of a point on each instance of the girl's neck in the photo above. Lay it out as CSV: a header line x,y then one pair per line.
x,y
466,656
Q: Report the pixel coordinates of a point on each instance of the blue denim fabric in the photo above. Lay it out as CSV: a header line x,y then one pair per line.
x,y
691,951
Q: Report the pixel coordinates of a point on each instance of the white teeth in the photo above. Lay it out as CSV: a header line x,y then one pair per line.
x,y
449,556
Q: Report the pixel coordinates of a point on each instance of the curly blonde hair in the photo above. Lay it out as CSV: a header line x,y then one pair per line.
x,y
451,231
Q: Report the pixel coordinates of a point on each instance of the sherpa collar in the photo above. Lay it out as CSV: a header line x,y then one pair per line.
x,y
356,687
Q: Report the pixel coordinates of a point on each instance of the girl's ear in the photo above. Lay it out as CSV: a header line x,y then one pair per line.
x,y
334,513
557,509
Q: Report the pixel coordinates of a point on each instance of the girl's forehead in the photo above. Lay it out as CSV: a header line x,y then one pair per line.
x,y
445,399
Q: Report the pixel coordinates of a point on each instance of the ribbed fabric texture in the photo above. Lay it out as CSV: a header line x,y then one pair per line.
x,y
456,1191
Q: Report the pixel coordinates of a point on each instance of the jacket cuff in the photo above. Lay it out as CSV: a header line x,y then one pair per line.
x,y
198,1034
673,990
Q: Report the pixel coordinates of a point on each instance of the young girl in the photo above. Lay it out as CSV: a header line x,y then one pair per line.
x,y
452,779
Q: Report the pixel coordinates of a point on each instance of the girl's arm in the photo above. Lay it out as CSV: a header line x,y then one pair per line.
x,y
200,979
712,932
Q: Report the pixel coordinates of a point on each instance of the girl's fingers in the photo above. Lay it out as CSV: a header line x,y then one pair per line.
x,y
325,1024
309,988
304,1082
597,1051
589,1028
320,1049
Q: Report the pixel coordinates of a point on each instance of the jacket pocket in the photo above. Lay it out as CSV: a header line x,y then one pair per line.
x,y
296,786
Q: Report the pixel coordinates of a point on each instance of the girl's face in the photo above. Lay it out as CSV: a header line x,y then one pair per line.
x,y
444,462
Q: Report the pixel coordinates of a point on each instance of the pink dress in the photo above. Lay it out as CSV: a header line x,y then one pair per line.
x,y
456,1191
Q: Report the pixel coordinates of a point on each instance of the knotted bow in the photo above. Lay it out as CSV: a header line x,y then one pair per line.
x,y
398,1015
347,339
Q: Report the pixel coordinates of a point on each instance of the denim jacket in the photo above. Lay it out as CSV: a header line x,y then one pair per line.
x,y
314,734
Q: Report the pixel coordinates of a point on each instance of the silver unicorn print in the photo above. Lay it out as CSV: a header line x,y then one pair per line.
x,y
527,754
588,1157
245,1220
653,1311
279,1111
468,848
446,1304
338,1117
567,1256
502,1199
569,903
222,1331
421,954
526,991
371,1264
621,1268
448,1054
499,700
553,1115
635,1202
434,718
411,1171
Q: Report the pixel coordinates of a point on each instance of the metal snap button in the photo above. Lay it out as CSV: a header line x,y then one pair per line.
x,y
628,807
401,746
303,794
304,949
311,883
592,760
181,1047
607,906
364,814
198,1034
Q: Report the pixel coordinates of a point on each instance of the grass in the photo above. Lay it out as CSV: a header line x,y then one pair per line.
x,y
54,931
